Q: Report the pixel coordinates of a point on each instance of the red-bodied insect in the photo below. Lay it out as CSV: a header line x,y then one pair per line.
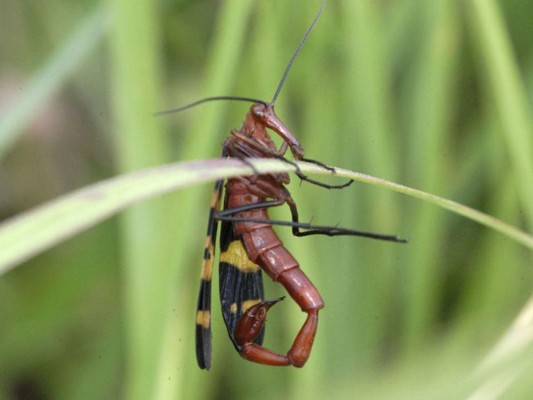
x,y
248,244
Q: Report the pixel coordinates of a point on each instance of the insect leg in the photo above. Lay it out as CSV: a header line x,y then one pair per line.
x,y
266,152
265,204
316,229
283,196
332,230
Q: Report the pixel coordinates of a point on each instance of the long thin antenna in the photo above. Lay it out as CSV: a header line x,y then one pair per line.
x,y
248,99
295,54
191,105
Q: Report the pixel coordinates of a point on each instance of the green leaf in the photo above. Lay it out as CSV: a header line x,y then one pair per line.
x,y
34,231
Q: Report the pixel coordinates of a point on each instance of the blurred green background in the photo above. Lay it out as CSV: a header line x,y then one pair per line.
x,y
431,94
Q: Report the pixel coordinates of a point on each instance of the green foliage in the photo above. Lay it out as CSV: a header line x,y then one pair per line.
x,y
434,95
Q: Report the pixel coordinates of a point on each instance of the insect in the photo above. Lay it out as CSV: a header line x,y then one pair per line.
x,y
249,245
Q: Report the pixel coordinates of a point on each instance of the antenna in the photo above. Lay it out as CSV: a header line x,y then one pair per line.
x,y
207,99
248,99
295,54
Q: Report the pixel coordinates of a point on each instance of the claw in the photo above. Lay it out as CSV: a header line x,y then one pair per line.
x,y
251,322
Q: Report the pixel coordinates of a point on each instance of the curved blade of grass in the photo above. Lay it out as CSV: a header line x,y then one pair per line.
x,y
50,78
482,218
30,233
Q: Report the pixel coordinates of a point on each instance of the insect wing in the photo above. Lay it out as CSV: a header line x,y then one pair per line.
x,y
203,311
241,284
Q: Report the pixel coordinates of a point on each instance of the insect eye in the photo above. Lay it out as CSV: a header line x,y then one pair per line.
x,y
259,111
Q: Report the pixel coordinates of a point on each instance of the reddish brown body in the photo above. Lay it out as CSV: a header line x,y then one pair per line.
x,y
249,244
265,248
261,242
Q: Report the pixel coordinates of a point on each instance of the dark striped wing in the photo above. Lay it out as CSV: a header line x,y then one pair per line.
x,y
241,285
203,311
